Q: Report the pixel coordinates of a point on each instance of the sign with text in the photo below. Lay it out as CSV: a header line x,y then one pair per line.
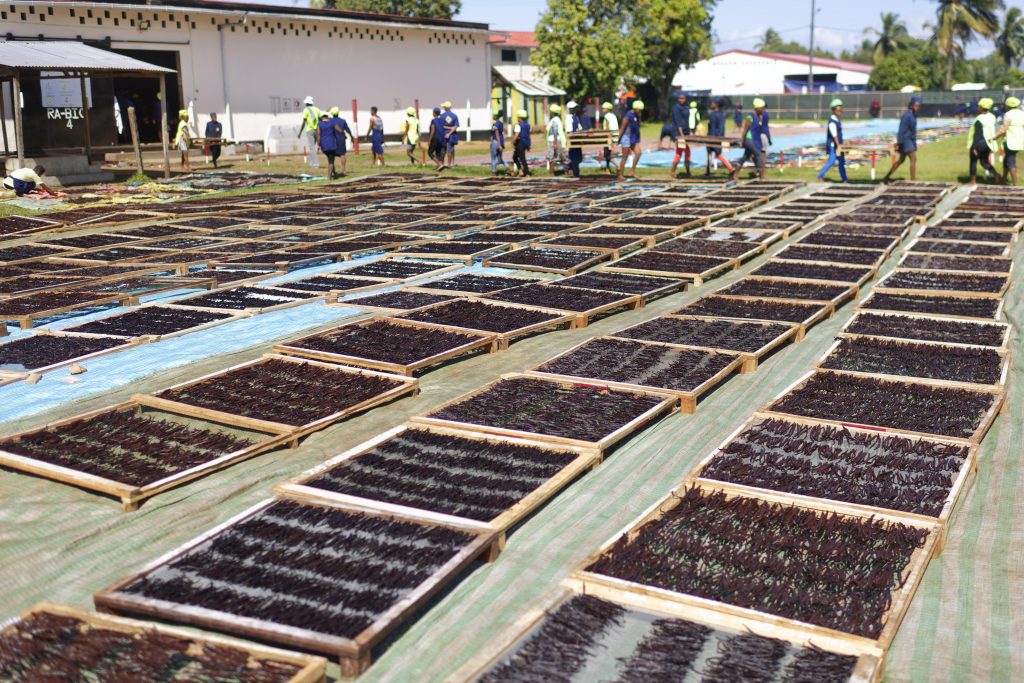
x,y
62,92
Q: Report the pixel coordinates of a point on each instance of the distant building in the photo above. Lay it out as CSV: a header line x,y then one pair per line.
x,y
768,73
253,65
515,83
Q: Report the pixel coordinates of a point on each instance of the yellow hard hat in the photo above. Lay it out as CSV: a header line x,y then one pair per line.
x,y
638,105
759,103
411,111
835,103
335,111
522,114
446,104
985,103
556,109
1012,102
183,113
607,106
693,104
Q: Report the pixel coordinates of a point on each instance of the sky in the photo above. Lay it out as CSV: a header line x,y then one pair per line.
x,y
738,24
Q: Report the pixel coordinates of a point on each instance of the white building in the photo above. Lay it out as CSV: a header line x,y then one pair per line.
x,y
767,73
254,64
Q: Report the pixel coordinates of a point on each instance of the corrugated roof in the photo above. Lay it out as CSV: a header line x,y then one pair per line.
x,y
515,38
68,55
803,59
528,80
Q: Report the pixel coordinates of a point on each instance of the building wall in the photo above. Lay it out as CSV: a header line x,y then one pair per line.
x,y
266,66
734,73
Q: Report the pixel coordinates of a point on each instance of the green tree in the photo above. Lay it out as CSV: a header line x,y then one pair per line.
x,y
588,48
960,22
865,54
918,63
1010,41
434,9
771,41
674,33
891,37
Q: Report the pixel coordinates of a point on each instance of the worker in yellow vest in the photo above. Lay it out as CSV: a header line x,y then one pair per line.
x,y
411,134
310,120
183,139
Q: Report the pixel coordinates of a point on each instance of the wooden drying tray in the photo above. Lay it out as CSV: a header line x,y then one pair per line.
x,y
279,265
442,268
861,308
1004,343
617,252
147,338
386,310
372,283
851,294
72,363
825,311
456,229
880,286
293,348
58,252
770,236
132,496
994,259
506,338
698,278
955,497
252,310
28,320
997,405
873,268
427,289
666,406
585,460
649,240
886,252
590,138
722,141
311,669
466,259
581,318
756,249
687,399
761,623
227,285
354,654
646,297
937,349
408,386
496,262
749,360
868,669
1005,253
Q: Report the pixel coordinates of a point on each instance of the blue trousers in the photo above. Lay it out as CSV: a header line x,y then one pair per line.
x,y
832,158
575,159
496,159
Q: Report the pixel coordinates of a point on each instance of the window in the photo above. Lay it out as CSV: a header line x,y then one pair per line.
x,y
508,55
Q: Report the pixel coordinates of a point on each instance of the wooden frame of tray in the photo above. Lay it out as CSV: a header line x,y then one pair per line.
x,y
781,256
987,418
1007,273
311,668
880,286
773,236
127,342
617,252
251,310
427,289
585,460
749,359
354,654
602,255
851,294
484,339
387,310
826,310
687,399
233,315
506,338
955,496
667,405
649,240
762,623
27,321
998,317
786,227
466,259
582,318
676,287
408,385
440,270
756,249
1006,252
698,278
132,496
1004,344
868,669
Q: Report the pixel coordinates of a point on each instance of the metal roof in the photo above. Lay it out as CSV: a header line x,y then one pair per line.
x,y
527,79
67,55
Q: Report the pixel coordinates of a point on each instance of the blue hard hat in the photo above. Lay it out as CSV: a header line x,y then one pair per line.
x,y
915,100
437,110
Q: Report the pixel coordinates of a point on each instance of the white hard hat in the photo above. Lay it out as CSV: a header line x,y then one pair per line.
x,y
308,100
571,104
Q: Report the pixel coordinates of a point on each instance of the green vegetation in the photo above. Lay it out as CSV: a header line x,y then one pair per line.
x,y
960,22
437,9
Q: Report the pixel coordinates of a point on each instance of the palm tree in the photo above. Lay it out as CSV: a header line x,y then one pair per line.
x,y
1010,41
963,20
892,36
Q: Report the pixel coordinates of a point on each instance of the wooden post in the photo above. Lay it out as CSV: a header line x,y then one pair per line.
x,y
19,134
163,125
3,121
134,128
85,111
355,124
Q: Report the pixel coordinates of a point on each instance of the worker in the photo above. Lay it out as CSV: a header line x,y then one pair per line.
x,y
411,135
981,140
342,148
435,141
1013,131
737,116
906,140
497,143
521,143
327,134
310,120
556,140
375,134
629,138
450,126
755,135
716,128
610,122
834,141
680,114
214,131
183,139
25,180
574,125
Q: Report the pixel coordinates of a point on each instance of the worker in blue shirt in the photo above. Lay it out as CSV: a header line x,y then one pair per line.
x,y
737,116
834,141
755,135
574,125
435,141
497,143
342,124
716,127
375,133
450,124
906,140
681,126
629,138
521,143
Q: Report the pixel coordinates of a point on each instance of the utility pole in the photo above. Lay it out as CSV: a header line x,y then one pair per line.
x,y
810,54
